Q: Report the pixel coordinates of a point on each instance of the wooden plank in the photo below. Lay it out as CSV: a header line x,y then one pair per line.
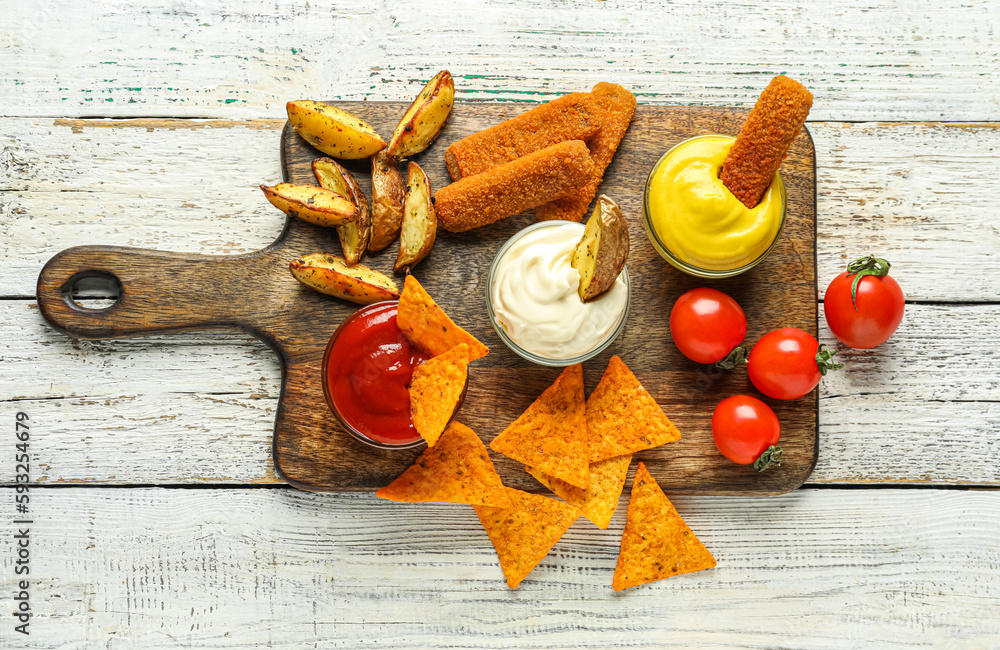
x,y
863,62
939,353
923,194
175,185
62,176
154,568
198,408
915,441
927,398
191,408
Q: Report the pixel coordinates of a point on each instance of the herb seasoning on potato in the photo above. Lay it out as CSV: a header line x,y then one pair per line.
x,y
354,235
331,275
387,201
419,227
425,118
334,131
311,203
420,125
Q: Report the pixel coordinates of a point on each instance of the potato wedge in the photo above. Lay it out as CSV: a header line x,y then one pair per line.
x,y
416,239
423,120
333,131
387,201
353,236
603,249
312,203
330,274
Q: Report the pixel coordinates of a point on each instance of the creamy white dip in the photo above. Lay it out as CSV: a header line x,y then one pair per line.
x,y
535,297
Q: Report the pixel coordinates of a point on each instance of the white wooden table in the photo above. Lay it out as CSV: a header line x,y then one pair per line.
x,y
158,521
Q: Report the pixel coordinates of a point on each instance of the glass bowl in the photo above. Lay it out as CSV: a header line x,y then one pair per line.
x,y
408,443
532,356
676,261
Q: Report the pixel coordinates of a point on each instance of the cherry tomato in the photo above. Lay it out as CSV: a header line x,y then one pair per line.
x,y
787,363
863,305
746,431
707,325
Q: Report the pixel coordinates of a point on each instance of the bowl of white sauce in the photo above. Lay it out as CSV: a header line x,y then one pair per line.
x,y
531,295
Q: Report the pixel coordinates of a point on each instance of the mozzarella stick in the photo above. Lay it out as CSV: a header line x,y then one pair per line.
x,y
765,139
614,108
513,187
569,117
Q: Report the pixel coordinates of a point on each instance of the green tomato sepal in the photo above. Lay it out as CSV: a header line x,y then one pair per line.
x,y
736,357
870,265
770,458
824,360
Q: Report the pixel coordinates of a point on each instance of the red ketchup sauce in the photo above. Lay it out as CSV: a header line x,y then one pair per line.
x,y
368,370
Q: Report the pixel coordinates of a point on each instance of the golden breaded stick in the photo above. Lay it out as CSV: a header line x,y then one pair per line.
x,y
765,139
569,117
513,187
614,108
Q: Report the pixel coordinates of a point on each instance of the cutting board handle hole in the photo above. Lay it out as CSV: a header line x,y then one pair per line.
x,y
92,290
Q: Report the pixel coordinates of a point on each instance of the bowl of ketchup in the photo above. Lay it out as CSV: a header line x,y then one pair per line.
x,y
366,377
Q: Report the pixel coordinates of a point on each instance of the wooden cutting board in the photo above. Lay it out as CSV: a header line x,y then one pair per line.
x,y
255,293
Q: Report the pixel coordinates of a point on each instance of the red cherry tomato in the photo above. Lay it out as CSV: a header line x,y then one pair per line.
x,y
745,431
863,305
787,363
707,325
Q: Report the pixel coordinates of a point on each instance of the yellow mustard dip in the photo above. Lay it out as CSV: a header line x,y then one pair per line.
x,y
698,219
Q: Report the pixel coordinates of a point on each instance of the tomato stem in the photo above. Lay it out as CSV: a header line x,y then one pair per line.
x,y
770,458
824,360
737,356
870,265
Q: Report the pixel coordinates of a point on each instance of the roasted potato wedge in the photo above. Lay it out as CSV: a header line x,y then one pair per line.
x,y
387,201
334,131
600,256
330,274
353,236
311,203
416,239
424,119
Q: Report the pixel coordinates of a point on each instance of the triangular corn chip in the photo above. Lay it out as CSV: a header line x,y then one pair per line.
x,y
656,544
435,389
457,469
428,327
551,435
622,418
599,500
524,533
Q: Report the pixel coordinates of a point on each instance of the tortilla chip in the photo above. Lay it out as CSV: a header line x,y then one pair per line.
x,y
525,532
599,500
551,435
656,544
428,327
457,469
622,418
435,389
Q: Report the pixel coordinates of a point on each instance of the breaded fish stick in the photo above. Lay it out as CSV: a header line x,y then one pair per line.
x,y
765,139
569,117
614,107
513,187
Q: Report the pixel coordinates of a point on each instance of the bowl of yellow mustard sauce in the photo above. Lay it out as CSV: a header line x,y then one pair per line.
x,y
696,224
